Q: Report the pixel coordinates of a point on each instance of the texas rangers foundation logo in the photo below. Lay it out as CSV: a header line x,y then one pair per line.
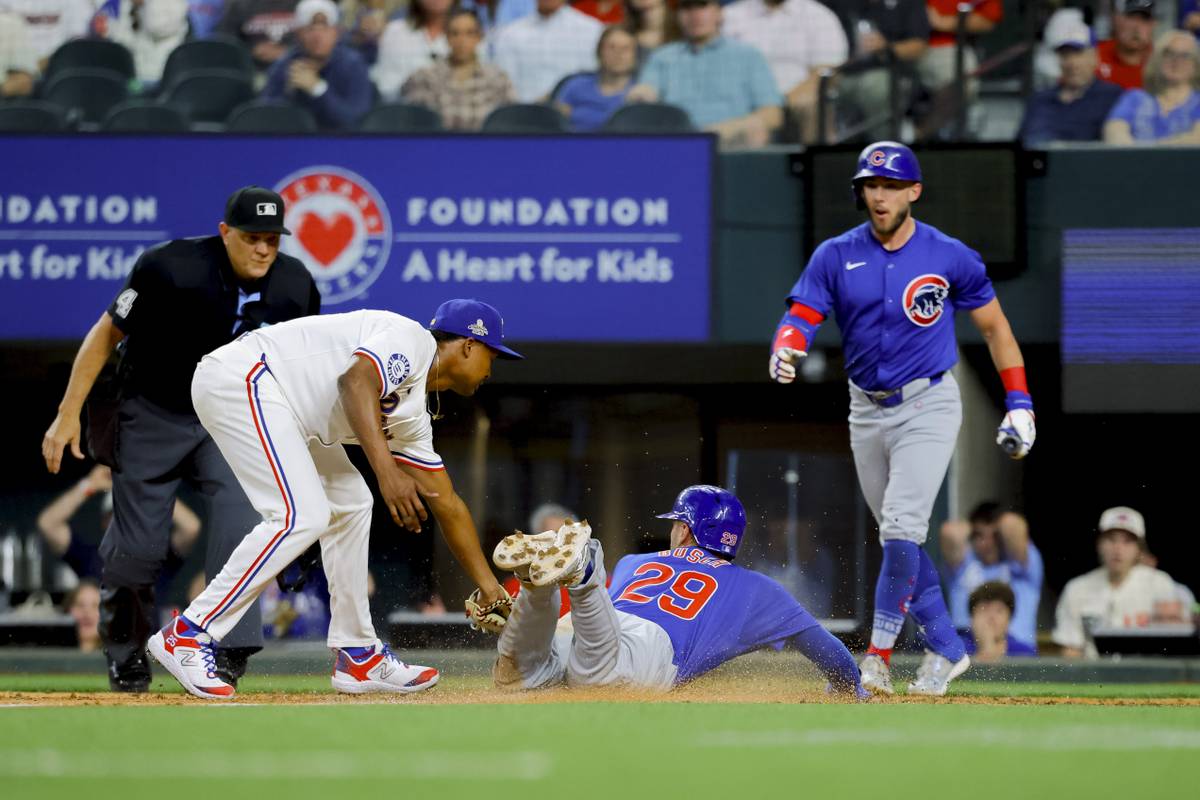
x,y
340,229
925,299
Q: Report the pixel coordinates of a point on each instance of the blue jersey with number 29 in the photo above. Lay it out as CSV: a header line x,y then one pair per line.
x,y
712,609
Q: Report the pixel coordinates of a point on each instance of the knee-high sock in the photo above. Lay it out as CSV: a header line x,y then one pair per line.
x,y
894,591
929,610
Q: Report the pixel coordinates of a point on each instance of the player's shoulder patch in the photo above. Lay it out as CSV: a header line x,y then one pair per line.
x,y
124,303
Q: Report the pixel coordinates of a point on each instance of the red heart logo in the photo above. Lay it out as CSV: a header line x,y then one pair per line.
x,y
325,241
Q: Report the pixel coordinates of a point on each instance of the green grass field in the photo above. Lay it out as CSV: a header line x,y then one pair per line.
x,y
456,744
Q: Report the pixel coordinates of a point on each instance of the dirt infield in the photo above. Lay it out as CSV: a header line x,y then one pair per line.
x,y
439,696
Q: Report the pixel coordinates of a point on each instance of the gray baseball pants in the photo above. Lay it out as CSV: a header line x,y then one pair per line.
x,y
902,453
595,645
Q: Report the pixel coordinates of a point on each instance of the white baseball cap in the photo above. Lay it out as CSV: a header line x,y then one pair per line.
x,y
1123,518
308,10
1066,28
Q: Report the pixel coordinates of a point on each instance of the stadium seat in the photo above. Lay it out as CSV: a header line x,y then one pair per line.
x,y
144,116
260,117
31,116
209,95
90,93
218,52
90,54
649,118
525,118
401,118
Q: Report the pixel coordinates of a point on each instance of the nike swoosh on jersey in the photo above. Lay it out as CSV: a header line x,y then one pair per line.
x,y
854,264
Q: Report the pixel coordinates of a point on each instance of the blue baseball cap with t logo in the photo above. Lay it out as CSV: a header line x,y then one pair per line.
x,y
473,319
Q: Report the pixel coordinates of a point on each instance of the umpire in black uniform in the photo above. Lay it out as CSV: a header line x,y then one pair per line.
x,y
183,299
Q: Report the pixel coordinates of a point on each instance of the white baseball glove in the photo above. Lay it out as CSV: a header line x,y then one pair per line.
x,y
783,364
1017,433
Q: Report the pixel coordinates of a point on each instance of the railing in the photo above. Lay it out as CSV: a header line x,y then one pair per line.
x,y
951,103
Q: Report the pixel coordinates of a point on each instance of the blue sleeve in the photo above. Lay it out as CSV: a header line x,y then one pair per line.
x,y
1032,570
276,80
831,656
813,288
1187,7
572,91
1036,129
972,287
348,98
1127,105
763,91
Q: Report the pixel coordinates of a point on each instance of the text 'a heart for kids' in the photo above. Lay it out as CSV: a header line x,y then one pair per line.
x,y
550,265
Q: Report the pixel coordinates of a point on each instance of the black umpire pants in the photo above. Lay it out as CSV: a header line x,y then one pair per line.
x,y
157,451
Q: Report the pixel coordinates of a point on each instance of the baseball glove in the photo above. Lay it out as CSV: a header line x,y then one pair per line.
x,y
490,618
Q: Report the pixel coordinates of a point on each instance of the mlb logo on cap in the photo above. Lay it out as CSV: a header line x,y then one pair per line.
x,y
473,319
255,210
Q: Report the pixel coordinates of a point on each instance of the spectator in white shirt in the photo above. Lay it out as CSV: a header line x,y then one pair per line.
x,y
539,50
151,29
412,43
52,22
799,39
18,64
1121,593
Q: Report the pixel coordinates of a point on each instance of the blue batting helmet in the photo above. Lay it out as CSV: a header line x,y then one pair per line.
x,y
716,517
884,160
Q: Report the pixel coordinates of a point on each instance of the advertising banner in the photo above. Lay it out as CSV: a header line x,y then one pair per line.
x,y
589,239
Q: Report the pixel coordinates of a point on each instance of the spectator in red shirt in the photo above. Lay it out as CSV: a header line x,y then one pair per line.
x,y
1123,56
610,12
936,67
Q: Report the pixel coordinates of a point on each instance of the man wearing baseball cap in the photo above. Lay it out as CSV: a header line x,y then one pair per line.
x,y
1122,58
327,78
1075,110
280,402
1120,593
183,299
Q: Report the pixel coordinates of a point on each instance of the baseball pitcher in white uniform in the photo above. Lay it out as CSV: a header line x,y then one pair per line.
x,y
280,402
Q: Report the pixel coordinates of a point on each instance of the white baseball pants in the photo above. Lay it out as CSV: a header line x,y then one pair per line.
x,y
303,491
600,646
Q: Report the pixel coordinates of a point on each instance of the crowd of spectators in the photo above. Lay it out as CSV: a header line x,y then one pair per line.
x,y
753,71
993,574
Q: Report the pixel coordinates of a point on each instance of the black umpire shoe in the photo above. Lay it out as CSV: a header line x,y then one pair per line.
x,y
231,663
133,676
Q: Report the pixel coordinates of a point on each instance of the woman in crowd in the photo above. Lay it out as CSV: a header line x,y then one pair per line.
x,y
588,99
410,44
1167,110
460,88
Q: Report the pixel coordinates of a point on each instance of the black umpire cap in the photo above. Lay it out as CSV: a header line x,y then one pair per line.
x,y
255,210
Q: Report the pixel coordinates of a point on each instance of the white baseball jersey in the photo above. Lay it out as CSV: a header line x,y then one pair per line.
x,y
307,356
1130,605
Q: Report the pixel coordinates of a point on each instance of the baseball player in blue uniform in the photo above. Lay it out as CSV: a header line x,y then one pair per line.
x,y
894,284
668,616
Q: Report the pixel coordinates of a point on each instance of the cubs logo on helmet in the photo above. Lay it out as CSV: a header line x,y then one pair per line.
x,y
342,231
925,299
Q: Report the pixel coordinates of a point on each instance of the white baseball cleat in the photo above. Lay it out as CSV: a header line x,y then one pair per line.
x,y
187,652
550,557
936,672
380,671
876,677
